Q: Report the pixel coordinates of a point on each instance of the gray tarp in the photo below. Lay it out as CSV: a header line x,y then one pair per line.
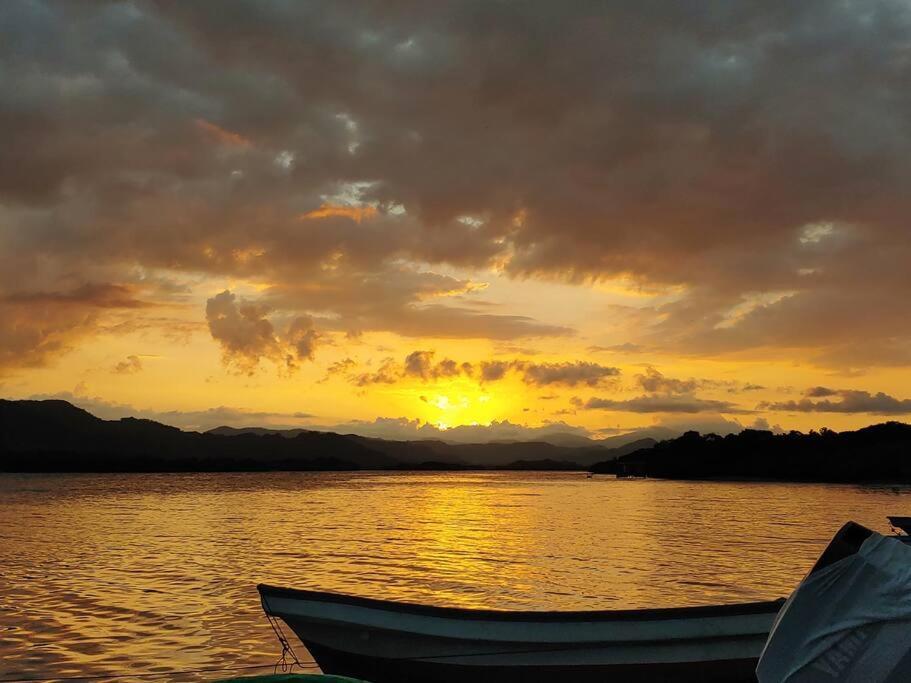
x,y
848,622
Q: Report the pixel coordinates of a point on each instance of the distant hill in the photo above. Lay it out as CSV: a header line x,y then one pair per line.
x,y
258,431
55,435
879,453
58,436
565,439
618,452
654,434
554,447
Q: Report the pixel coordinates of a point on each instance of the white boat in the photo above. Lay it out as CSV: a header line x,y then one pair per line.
x,y
384,642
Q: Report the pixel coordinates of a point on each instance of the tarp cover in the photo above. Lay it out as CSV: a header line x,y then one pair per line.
x,y
848,622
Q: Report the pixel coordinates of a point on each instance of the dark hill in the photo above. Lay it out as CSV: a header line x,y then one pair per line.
x,y
879,453
492,454
58,436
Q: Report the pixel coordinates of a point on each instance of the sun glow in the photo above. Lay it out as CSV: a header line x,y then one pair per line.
x,y
462,402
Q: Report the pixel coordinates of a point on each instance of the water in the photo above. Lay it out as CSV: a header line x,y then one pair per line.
x,y
111,574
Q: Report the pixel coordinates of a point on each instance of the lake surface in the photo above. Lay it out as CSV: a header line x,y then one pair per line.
x,y
113,574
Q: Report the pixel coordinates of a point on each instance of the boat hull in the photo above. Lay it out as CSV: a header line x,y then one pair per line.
x,y
390,670
384,641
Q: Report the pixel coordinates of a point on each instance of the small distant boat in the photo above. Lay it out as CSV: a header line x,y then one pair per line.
x,y
384,641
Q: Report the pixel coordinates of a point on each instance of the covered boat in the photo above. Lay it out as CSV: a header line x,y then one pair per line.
x,y
849,620
384,642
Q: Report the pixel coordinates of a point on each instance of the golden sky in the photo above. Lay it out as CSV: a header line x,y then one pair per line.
x,y
518,217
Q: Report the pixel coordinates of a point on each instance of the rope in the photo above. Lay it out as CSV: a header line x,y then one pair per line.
x,y
151,674
282,662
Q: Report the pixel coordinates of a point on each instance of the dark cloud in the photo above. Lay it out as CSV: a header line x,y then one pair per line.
x,y
130,366
422,365
654,381
850,401
389,372
93,295
303,338
820,392
244,332
567,374
247,335
494,370
417,365
663,404
36,327
754,155
339,367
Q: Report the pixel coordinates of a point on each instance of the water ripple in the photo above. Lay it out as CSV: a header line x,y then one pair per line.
x,y
109,574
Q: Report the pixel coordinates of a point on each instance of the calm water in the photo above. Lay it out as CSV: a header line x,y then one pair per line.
x,y
106,574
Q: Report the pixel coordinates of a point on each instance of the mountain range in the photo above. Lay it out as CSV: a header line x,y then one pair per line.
x,y
55,435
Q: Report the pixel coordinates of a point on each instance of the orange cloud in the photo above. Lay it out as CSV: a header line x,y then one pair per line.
x,y
355,213
221,135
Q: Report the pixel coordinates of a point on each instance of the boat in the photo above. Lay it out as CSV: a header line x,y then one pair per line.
x,y
849,620
903,523
386,641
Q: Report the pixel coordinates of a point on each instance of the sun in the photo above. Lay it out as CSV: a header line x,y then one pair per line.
x,y
459,403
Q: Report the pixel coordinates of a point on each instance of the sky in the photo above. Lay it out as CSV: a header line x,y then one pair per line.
x,y
503,217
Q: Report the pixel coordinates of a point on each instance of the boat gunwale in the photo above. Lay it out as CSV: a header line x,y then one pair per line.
x,y
462,613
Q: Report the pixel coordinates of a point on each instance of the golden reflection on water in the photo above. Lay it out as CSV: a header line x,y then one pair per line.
x,y
106,574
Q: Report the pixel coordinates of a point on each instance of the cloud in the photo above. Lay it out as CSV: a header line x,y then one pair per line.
x,y
850,401
193,420
303,338
762,424
704,424
820,392
404,429
130,366
663,404
668,146
339,367
389,373
244,333
655,382
494,370
93,295
421,365
38,327
627,347
247,336
568,374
